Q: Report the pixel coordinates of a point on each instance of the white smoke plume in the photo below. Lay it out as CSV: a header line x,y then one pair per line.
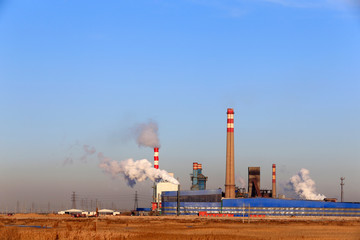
x,y
304,186
241,181
69,159
134,171
147,134
88,151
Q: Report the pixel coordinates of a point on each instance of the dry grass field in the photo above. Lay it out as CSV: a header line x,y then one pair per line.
x,y
196,228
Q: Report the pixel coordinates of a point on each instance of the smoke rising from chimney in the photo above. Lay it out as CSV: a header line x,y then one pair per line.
x,y
304,186
134,171
147,134
241,181
88,151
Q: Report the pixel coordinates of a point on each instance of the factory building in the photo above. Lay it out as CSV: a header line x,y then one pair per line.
x,y
198,180
254,189
160,187
237,202
210,201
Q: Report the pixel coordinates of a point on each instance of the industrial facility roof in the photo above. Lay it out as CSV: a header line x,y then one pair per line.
x,y
74,210
106,211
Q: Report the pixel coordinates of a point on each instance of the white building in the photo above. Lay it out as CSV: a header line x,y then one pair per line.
x,y
71,211
106,212
160,187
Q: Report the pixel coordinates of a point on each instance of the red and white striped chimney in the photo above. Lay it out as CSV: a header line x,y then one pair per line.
x,y
195,165
156,158
230,168
274,181
230,120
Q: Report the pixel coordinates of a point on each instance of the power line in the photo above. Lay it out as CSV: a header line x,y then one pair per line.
x,y
73,200
136,201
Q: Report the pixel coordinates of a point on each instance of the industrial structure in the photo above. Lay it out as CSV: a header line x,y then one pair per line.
x,y
255,202
254,182
254,189
273,181
210,201
342,188
156,158
160,187
230,166
198,180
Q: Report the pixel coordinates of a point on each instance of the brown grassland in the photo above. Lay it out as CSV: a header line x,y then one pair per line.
x,y
195,228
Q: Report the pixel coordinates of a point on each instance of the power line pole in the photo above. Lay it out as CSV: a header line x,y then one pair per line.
x,y
178,201
136,201
73,200
342,188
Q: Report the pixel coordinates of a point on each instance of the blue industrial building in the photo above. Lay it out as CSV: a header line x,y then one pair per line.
x,y
211,201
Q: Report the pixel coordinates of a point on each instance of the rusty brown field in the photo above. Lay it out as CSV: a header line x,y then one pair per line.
x,y
155,227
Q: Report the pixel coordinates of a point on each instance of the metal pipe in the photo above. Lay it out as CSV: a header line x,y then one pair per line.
x,y
342,188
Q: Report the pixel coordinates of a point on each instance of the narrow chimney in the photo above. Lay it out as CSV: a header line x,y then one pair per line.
x,y
195,174
199,168
274,181
230,169
156,158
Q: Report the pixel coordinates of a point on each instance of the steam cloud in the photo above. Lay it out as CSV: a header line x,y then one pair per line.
x,y
304,186
147,134
241,181
134,171
88,152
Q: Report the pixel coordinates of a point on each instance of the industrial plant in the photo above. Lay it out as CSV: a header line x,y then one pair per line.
x,y
168,199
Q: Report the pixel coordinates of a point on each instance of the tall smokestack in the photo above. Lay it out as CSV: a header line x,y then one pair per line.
x,y
230,169
156,158
274,181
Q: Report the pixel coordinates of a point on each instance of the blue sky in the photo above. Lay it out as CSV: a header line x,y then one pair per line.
x,y
83,72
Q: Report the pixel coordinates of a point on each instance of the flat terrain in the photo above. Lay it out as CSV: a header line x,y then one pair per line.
x,y
196,228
